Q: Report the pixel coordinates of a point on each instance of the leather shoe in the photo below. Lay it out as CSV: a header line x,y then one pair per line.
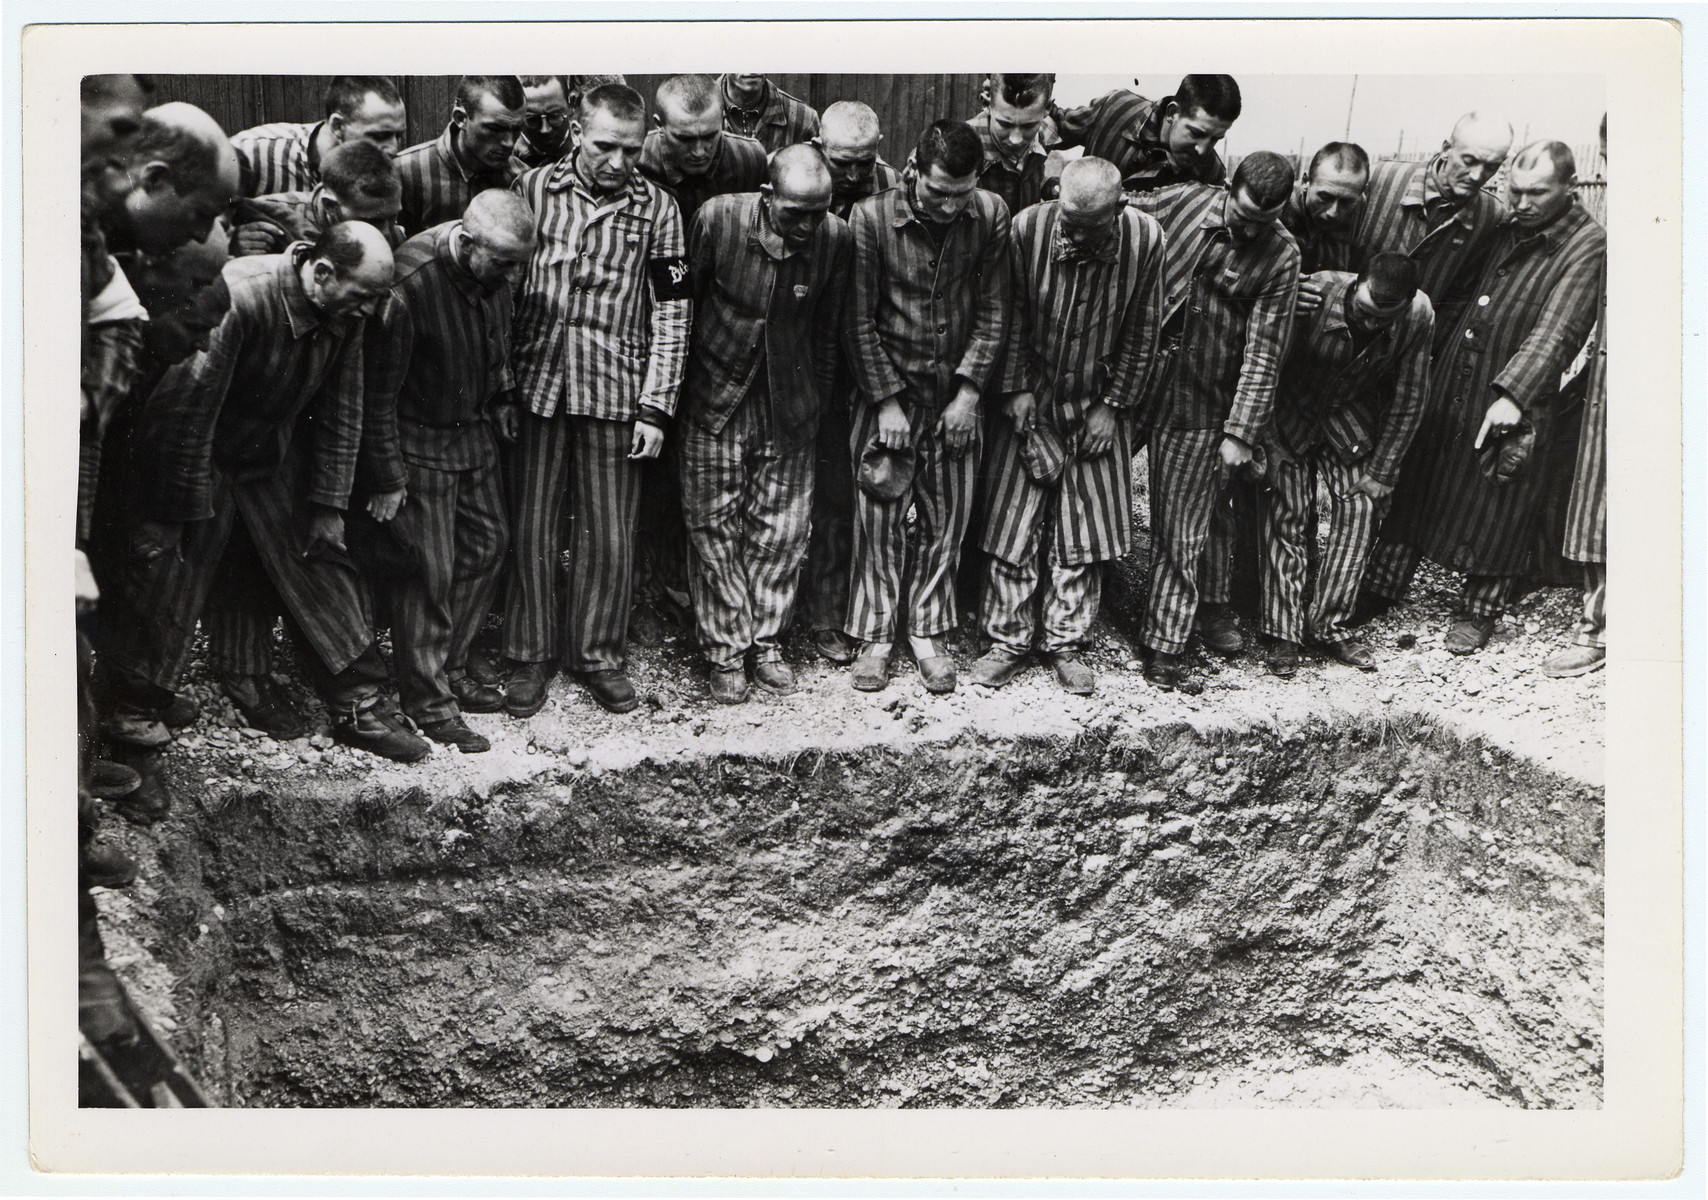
x,y
1074,676
1368,607
1165,671
612,690
131,726
102,864
729,685
149,804
1574,660
1218,630
373,724
1353,653
937,672
999,664
480,667
178,712
525,690
1282,658
645,627
1468,635
871,672
775,676
110,780
265,706
472,696
454,731
835,646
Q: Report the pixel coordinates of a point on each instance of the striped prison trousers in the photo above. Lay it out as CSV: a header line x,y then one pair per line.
x,y
1393,564
1016,611
587,625
886,584
1191,534
830,547
747,503
1285,506
1592,624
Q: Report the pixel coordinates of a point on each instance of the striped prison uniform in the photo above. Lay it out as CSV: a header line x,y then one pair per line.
x,y
1586,516
737,165
1346,406
1536,305
766,323
1321,247
1126,129
1405,213
928,309
437,187
830,547
442,348
301,217
778,120
1227,309
1083,332
599,341
220,453
1021,185
110,360
280,157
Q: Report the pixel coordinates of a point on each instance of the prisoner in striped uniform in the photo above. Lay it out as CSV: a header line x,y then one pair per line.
x,y
849,137
1012,129
472,154
1324,210
444,345
769,272
1469,497
286,157
244,513
1155,143
1438,213
599,347
1230,280
1058,488
757,108
928,316
1351,393
357,184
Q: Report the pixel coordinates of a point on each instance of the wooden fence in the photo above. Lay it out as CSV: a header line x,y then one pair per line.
x,y
905,104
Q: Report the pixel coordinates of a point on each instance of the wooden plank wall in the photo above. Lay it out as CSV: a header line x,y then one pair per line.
x,y
905,104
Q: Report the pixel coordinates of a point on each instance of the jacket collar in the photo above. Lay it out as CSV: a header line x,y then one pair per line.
x,y
1554,234
772,110
446,250
1108,251
905,211
564,178
303,316
992,154
764,235
657,160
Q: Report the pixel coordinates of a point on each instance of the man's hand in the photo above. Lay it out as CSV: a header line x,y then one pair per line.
x,y
153,539
894,432
1374,488
258,237
1099,431
1503,414
649,441
1235,454
1311,292
325,530
383,506
1019,408
507,420
960,421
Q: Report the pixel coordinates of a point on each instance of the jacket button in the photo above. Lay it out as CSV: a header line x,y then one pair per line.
x,y
932,263
1482,301
942,329
1470,333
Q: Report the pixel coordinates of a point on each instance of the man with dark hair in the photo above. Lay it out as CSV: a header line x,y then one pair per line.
x,y
1230,282
244,514
441,348
926,329
357,183
1011,129
769,271
1324,210
599,343
1470,495
1154,143
440,177
1351,394
1058,484
285,156
545,133
757,108
182,174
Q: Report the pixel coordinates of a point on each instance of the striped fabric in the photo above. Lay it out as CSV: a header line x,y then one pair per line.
x,y
738,165
586,461
1403,214
110,363
280,157
1591,629
1020,185
300,216
1126,129
1016,612
1363,402
1586,516
591,335
779,120
1537,302
747,500
1320,248
279,358
883,178
436,186
1286,503
1233,302
830,546
920,315
1191,534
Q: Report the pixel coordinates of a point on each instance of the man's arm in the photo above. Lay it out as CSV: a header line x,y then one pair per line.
x,y
1411,393
827,317
1018,369
990,313
669,276
1074,125
876,375
178,421
1136,343
339,421
387,342
1531,377
1267,329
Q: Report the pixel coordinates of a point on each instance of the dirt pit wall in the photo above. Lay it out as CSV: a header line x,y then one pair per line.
x,y
1371,914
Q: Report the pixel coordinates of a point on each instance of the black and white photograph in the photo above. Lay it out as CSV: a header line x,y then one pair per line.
x,y
1073,589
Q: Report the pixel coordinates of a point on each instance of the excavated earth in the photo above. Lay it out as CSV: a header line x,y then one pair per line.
x,y
1339,890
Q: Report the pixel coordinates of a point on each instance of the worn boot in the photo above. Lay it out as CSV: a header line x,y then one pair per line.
x,y
999,665
265,706
454,731
1074,676
373,723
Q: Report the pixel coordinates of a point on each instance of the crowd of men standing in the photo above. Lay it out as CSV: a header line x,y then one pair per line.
x,y
591,370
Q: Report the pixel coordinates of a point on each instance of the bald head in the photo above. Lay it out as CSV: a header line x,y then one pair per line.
x,y
347,269
183,173
496,215
849,124
1541,183
1553,157
688,96
1472,155
1090,185
800,173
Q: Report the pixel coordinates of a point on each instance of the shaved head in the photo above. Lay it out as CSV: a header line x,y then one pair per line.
x,y
1090,185
1557,156
1472,155
1475,129
849,123
182,173
496,216
688,96
800,172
